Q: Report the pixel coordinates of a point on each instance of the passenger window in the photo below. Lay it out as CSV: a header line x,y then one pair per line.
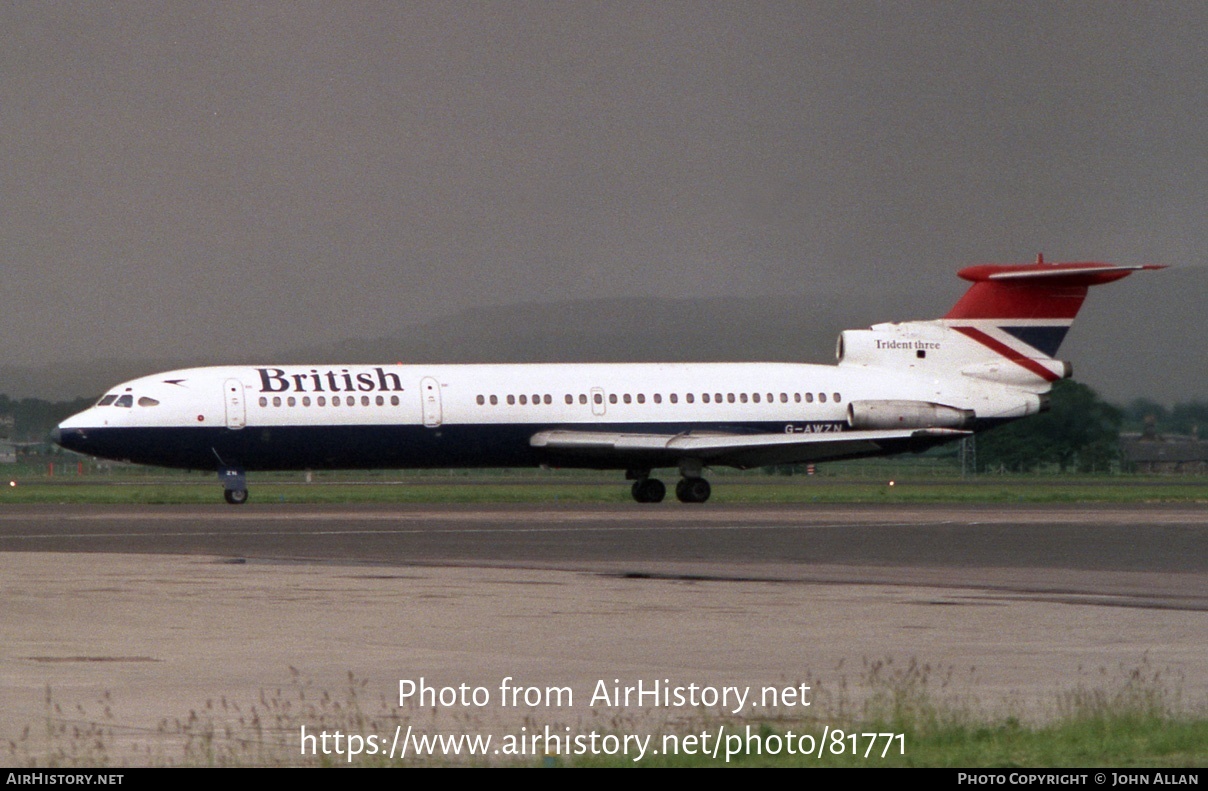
x,y
109,399
263,401
784,398
717,398
335,401
380,400
548,399
494,400
822,398
292,401
276,400
627,399
321,400
705,397
570,399
741,397
599,399
394,400
797,398
641,398
730,397
612,398
658,398
536,399
838,398
583,399
809,398
480,400
523,400
755,397
364,400
511,400
305,400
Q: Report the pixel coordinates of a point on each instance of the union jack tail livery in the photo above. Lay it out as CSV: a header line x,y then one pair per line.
x,y
1006,329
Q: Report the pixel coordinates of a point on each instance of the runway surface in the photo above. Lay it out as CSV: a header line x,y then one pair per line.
x,y
130,617
1072,548
1135,538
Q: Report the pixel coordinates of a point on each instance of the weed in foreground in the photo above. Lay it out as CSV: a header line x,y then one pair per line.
x,y
1130,716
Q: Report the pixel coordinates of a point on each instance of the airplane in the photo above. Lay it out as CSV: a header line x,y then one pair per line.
x,y
895,387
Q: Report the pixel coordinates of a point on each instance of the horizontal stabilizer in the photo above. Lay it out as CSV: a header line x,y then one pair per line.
x,y
1089,274
1038,291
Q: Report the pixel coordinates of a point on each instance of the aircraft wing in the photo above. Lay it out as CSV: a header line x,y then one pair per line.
x,y
735,450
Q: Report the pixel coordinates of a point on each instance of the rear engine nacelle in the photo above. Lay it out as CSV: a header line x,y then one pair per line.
x,y
903,345
878,415
870,347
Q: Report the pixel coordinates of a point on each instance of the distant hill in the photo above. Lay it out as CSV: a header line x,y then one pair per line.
x,y
1121,350
620,330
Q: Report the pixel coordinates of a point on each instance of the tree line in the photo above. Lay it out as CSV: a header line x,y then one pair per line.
x,y
1081,432
31,419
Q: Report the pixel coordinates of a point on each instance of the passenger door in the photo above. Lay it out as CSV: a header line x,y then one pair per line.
x,y
429,390
236,409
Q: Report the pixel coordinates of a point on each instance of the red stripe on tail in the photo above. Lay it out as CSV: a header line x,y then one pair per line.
x,y
1009,353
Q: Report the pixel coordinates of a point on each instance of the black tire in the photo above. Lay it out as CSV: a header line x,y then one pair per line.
x,y
649,490
235,496
693,490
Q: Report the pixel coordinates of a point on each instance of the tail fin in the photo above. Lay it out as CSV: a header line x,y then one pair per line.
x,y
1034,304
1006,329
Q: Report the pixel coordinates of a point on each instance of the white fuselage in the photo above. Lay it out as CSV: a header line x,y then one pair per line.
x,y
315,416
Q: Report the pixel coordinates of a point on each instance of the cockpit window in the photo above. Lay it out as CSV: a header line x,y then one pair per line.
x,y
126,401
147,401
107,400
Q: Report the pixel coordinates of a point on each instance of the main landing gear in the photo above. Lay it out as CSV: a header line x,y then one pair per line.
x,y
234,485
691,489
649,490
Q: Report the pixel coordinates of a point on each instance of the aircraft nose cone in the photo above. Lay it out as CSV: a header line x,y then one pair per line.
x,y
56,436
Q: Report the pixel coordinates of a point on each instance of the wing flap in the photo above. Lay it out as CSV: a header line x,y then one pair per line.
x,y
735,450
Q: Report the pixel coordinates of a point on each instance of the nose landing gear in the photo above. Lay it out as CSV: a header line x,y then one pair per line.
x,y
234,485
235,496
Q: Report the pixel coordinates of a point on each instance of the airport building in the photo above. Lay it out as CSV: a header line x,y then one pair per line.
x,y
1164,455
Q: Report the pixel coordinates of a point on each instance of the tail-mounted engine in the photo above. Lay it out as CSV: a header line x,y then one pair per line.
x,y
878,415
903,345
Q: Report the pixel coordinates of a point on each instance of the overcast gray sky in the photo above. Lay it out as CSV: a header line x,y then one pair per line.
x,y
181,179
